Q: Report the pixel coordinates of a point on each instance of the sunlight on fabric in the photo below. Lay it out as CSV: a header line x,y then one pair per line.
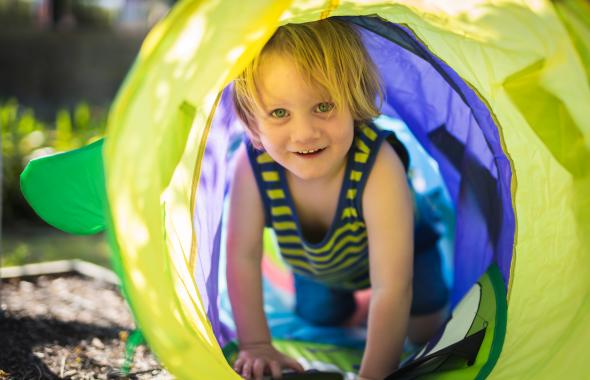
x,y
235,54
136,232
162,90
196,316
454,8
152,295
137,277
299,7
188,42
312,4
538,5
162,95
256,35
180,235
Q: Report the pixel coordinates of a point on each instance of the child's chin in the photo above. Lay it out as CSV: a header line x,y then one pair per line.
x,y
307,176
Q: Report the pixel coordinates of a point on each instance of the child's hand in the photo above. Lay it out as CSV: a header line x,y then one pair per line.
x,y
254,360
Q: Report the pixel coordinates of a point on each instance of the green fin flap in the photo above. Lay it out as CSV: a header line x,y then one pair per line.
x,y
67,190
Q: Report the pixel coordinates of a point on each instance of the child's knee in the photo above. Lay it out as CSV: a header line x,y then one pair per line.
x,y
430,291
331,313
321,305
425,326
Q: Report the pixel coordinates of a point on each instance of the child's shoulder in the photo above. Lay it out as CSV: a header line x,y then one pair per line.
x,y
387,176
386,147
388,163
243,175
389,137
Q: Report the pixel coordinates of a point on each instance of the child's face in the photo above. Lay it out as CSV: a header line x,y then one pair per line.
x,y
298,125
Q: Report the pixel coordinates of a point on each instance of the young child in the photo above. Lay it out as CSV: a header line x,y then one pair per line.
x,y
316,170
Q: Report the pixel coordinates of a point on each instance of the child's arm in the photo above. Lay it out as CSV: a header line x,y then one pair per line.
x,y
244,277
388,213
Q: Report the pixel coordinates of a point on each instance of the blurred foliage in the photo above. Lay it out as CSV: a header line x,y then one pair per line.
x,y
72,14
33,245
24,138
16,13
92,12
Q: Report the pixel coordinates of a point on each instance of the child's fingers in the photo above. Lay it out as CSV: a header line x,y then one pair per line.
x,y
258,368
293,364
247,369
238,365
275,369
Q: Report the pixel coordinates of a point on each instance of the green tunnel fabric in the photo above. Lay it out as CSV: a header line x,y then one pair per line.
x,y
510,52
575,15
527,60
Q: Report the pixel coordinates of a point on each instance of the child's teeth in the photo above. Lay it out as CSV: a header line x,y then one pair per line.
x,y
309,151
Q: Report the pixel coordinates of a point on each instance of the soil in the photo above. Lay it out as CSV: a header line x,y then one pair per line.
x,y
68,327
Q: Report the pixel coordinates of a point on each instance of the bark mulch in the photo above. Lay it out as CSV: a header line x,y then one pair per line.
x,y
68,327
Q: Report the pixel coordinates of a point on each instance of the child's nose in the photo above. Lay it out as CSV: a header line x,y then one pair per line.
x,y
304,131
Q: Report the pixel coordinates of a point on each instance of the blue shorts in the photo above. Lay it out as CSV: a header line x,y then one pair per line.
x,y
325,306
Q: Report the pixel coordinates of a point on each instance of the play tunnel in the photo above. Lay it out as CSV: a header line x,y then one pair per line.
x,y
497,93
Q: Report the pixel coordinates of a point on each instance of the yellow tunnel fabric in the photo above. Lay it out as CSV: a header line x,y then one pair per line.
x,y
517,55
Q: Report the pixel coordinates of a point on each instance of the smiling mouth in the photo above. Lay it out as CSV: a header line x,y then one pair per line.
x,y
309,152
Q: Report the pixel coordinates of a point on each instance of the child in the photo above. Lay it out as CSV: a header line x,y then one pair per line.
x,y
316,171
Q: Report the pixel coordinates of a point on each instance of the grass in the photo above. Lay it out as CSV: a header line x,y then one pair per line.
x,y
27,245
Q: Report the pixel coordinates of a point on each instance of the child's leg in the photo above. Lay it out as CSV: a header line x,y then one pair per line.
x,y
430,300
321,305
423,327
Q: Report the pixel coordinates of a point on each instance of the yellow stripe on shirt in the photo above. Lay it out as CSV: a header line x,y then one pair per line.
x,y
280,210
371,134
275,194
264,158
282,226
356,175
361,157
270,176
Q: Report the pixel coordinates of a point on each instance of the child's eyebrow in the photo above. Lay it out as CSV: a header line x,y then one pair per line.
x,y
276,105
270,101
279,103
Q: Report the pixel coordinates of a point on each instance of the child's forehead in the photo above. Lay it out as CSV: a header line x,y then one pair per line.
x,y
270,64
280,78
291,94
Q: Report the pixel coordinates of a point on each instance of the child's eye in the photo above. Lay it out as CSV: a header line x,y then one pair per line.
x,y
325,107
279,113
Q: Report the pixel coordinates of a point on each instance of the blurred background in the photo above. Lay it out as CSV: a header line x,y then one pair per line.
x,y
61,64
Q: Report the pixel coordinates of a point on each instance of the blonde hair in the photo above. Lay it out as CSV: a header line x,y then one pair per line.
x,y
328,53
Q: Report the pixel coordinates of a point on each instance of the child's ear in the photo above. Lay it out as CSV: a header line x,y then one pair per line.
x,y
254,138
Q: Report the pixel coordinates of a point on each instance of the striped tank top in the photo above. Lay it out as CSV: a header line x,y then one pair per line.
x,y
341,259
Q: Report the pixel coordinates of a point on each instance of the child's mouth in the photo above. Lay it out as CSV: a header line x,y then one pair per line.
x,y
310,153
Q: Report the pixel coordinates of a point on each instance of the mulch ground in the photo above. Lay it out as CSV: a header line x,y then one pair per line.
x,y
68,327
